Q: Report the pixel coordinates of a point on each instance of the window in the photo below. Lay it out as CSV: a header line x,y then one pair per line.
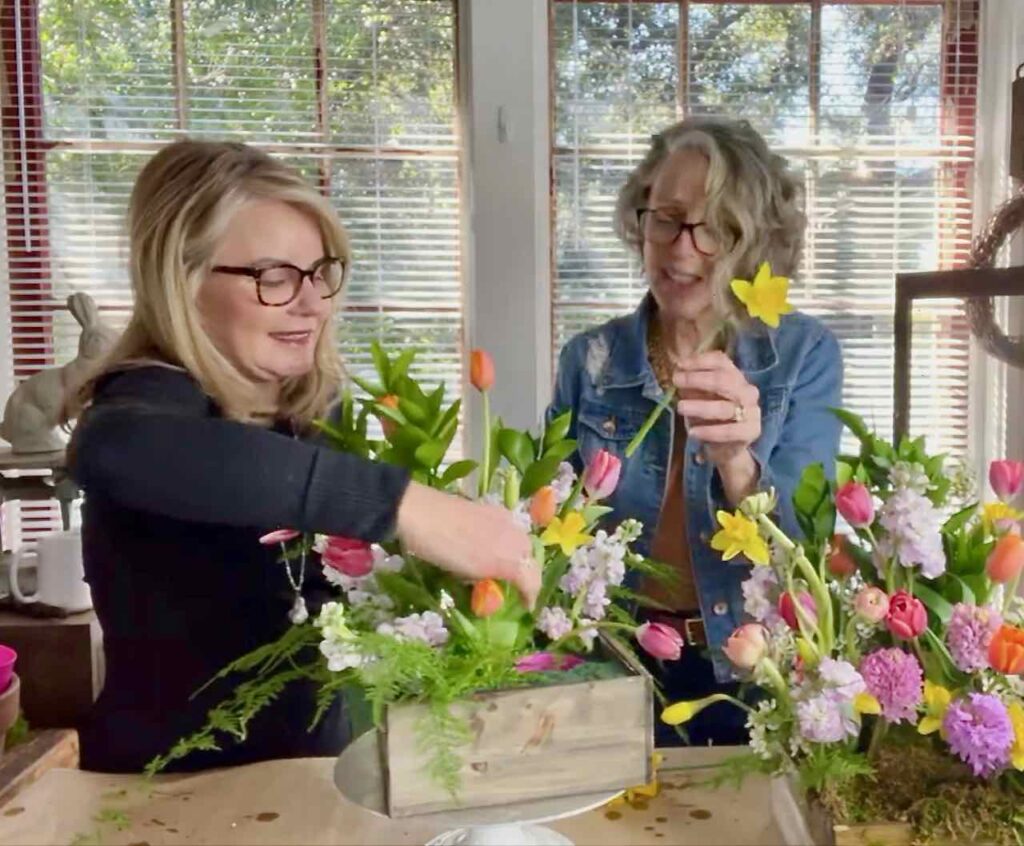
x,y
872,102
358,94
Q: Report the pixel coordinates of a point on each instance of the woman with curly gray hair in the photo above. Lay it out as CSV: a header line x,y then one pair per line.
x,y
708,203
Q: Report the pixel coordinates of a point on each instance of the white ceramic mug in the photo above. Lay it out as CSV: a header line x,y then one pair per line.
x,y
60,576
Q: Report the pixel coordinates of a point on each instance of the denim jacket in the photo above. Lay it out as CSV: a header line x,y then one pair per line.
x,y
605,378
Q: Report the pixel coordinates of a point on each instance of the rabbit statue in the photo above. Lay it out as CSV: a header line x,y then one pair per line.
x,y
33,411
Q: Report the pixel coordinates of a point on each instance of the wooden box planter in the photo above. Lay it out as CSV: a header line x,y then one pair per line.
x,y
529,743
808,823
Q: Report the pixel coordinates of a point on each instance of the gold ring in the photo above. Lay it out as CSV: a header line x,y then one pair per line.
x,y
739,415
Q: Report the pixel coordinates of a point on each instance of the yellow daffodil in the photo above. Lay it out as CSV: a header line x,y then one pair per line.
x,y
936,701
568,533
865,703
641,792
765,297
739,535
993,512
1016,712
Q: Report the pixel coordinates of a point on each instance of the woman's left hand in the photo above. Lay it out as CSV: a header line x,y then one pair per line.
x,y
722,410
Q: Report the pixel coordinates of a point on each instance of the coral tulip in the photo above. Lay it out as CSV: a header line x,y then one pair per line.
x,y
543,506
1006,650
872,604
481,370
387,425
841,563
487,598
660,641
1006,559
906,618
853,501
746,646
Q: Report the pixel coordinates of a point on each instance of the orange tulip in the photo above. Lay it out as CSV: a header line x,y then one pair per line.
x,y
840,562
487,598
481,370
1006,651
543,506
386,423
1006,558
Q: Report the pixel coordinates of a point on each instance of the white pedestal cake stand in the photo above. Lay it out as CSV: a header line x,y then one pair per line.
x,y
358,776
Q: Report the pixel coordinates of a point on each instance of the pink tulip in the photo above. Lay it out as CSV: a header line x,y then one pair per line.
x,y
279,536
660,641
545,662
348,556
906,618
853,501
787,608
601,475
872,604
1006,478
746,646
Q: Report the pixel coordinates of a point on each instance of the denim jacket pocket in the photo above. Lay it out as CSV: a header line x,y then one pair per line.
x,y
607,427
774,403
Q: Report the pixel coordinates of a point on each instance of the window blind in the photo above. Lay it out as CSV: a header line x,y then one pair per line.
x,y
359,95
874,105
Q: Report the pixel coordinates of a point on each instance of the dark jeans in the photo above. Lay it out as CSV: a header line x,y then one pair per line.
x,y
693,677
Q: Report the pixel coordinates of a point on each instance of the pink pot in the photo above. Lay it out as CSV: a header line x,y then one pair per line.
x,y
7,658
10,702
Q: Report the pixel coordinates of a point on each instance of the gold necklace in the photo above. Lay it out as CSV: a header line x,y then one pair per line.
x,y
657,355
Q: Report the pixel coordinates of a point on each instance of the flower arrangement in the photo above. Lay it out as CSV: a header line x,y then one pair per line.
x,y
887,659
402,630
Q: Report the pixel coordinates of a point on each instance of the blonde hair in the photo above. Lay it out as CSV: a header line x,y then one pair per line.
x,y
753,201
181,204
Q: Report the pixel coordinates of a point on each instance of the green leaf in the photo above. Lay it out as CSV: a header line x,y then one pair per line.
x,y
404,591
854,423
538,474
813,504
400,366
966,594
844,473
456,471
389,412
516,447
593,513
562,450
937,604
959,520
431,454
413,411
372,388
450,414
557,429
435,399
380,361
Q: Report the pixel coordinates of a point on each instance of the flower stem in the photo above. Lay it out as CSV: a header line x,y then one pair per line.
x,y
1010,592
485,470
652,418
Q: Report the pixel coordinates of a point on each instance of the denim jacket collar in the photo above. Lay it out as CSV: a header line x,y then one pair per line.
x,y
626,366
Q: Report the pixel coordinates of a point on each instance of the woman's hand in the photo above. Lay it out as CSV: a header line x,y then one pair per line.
x,y
470,539
722,410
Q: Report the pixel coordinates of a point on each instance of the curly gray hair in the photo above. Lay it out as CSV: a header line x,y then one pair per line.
x,y
753,200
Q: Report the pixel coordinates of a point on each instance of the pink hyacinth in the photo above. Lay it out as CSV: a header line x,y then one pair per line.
x,y
969,634
895,679
980,732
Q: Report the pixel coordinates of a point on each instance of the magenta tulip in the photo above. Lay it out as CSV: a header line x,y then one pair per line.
x,y
1006,478
660,641
601,475
906,618
853,501
348,556
545,662
787,609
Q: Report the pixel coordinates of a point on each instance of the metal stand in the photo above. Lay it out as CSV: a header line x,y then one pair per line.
x,y
53,483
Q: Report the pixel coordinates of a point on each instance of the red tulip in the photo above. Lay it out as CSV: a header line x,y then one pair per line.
x,y
601,475
787,608
481,370
487,598
348,556
841,563
1006,558
906,618
853,501
1006,650
660,641
1006,478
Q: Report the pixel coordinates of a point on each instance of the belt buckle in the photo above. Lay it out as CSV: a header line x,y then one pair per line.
x,y
693,629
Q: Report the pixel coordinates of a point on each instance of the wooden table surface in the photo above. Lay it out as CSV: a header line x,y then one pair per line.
x,y
296,802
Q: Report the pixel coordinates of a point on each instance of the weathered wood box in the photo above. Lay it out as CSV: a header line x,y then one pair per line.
x,y
529,743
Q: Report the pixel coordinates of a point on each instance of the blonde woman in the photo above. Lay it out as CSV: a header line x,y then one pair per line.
x,y
709,202
192,444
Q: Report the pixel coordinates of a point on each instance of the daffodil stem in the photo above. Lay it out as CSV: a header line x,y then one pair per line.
x,y
819,591
556,645
767,666
652,418
570,500
1010,593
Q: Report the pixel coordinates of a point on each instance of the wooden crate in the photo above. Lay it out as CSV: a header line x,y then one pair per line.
x,y
529,743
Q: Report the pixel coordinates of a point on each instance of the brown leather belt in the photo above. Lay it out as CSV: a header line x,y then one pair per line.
x,y
689,626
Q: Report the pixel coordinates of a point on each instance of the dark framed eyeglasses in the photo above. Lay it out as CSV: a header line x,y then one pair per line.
x,y
279,284
660,227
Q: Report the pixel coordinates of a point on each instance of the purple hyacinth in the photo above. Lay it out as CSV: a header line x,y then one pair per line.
x,y
969,633
979,731
895,679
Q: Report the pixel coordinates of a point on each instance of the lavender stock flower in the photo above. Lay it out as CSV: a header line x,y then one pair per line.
x,y
913,526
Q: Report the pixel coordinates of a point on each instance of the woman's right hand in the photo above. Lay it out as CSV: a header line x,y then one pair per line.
x,y
470,539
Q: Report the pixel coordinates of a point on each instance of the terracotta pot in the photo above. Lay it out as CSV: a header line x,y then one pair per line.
x,y
10,700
